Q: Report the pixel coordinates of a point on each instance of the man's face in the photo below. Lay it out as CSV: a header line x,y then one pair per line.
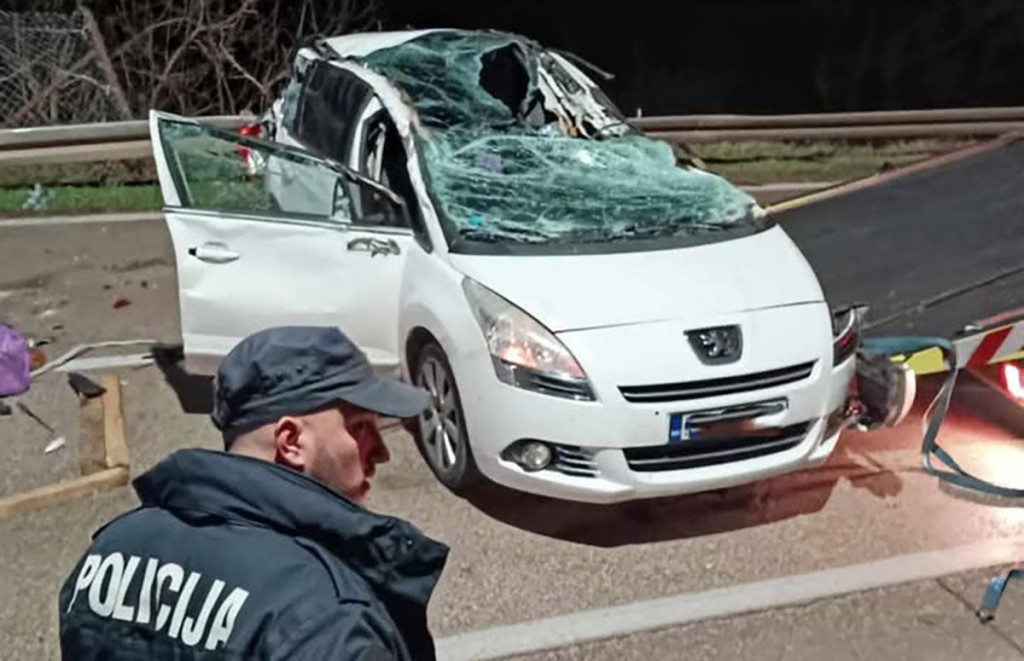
x,y
341,447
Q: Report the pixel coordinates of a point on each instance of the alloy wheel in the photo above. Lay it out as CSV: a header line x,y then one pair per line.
x,y
440,425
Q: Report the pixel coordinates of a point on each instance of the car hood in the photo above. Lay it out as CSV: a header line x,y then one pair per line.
x,y
577,292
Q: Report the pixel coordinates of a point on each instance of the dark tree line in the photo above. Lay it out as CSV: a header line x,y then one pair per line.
x,y
744,56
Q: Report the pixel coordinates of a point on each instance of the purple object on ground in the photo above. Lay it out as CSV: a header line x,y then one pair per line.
x,y
14,362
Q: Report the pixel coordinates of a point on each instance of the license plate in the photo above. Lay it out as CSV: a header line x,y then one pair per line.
x,y
729,421
679,430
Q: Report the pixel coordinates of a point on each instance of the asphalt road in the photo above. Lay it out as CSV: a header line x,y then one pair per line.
x,y
514,557
922,237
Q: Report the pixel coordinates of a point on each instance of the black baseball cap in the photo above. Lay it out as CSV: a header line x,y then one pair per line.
x,y
292,370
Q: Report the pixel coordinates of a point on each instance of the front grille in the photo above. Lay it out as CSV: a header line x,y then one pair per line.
x,y
698,453
674,392
575,461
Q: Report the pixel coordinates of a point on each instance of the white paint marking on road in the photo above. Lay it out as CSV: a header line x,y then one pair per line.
x,y
593,625
89,219
106,362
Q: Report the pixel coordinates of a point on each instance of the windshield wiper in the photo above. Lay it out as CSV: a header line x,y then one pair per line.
x,y
487,235
603,235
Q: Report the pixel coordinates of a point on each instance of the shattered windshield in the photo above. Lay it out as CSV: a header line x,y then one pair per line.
x,y
520,149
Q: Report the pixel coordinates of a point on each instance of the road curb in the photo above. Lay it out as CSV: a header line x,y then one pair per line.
x,y
83,219
867,182
767,192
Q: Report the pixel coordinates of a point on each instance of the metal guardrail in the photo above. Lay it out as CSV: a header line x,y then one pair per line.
x,y
81,134
967,122
123,140
895,131
840,119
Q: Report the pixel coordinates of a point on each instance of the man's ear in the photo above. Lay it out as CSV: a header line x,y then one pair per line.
x,y
290,444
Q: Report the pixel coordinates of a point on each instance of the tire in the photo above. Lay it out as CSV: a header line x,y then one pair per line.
x,y
451,462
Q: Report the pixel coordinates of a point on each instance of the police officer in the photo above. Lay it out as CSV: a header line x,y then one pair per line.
x,y
264,551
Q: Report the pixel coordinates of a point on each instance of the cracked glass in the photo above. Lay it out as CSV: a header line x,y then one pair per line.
x,y
213,172
520,147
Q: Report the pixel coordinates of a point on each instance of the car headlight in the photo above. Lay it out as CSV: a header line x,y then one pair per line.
x,y
845,333
524,353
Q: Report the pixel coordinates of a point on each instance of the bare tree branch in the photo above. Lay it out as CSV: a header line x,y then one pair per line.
x,y
195,56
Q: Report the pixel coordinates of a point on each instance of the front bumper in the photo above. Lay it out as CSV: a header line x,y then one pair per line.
x,y
598,441
615,481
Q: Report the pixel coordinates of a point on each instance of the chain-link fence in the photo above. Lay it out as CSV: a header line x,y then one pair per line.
x,y
54,70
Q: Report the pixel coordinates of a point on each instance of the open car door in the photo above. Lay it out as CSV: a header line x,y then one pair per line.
x,y
267,235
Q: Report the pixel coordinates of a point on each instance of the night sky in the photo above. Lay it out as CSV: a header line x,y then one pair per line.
x,y
748,56
768,56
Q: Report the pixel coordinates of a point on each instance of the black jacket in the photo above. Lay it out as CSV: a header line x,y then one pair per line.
x,y
235,558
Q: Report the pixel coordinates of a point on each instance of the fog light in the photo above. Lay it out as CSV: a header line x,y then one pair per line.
x,y
535,456
531,456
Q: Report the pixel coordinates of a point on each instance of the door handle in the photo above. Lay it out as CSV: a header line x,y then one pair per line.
x,y
374,246
214,253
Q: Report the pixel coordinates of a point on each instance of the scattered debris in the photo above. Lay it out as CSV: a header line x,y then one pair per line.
x,y
49,312
27,411
57,327
84,386
36,358
124,361
168,355
14,362
5,408
145,284
121,303
83,348
38,198
55,445
108,287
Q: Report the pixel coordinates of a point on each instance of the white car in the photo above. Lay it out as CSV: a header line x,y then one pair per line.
x,y
596,320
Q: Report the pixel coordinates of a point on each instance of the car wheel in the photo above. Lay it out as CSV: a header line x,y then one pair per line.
x,y
441,430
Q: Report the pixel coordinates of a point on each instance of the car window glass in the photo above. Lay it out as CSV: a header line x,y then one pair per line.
x,y
290,103
331,104
217,173
382,157
292,91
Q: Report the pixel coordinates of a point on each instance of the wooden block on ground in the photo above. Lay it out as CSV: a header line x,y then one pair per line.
x,y
92,449
115,443
102,443
62,492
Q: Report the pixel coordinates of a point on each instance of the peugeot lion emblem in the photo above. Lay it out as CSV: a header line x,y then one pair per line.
x,y
717,346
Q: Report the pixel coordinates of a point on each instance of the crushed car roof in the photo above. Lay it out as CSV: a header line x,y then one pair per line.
x,y
521,147
363,43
